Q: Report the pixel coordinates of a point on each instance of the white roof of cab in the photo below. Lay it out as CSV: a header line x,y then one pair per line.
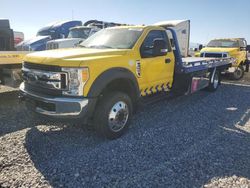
x,y
170,23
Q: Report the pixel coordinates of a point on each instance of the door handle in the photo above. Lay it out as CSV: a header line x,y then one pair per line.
x,y
168,60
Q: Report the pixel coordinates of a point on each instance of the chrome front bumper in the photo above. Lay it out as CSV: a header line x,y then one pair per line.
x,y
61,107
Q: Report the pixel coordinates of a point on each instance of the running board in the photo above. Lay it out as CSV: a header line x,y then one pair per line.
x,y
155,98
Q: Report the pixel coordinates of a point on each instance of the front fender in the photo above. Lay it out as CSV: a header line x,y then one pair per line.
x,y
110,75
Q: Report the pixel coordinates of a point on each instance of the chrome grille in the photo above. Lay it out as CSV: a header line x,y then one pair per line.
x,y
52,45
50,80
44,80
55,45
216,55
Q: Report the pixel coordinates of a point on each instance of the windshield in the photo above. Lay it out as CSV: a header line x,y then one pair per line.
x,y
223,43
117,38
79,33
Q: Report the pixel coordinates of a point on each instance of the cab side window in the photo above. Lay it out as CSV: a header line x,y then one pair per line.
x,y
242,43
146,49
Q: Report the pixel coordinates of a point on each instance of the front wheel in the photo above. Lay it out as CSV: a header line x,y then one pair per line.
x,y
113,115
238,73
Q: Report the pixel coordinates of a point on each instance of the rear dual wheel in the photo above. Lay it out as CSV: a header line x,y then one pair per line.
x,y
113,115
214,81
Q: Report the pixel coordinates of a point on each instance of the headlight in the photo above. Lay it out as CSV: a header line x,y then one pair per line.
x,y
77,78
234,61
224,55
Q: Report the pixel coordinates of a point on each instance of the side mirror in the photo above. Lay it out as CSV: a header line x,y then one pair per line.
x,y
200,47
172,43
160,47
62,36
248,48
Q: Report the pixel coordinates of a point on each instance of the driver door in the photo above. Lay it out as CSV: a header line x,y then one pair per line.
x,y
156,71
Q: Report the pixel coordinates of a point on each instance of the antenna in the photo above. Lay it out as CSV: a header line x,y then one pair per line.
x,y
72,14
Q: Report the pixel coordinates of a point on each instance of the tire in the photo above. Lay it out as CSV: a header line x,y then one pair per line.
x,y
214,82
1,77
247,66
238,73
113,115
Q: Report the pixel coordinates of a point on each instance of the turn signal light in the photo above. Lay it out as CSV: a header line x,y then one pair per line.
x,y
85,74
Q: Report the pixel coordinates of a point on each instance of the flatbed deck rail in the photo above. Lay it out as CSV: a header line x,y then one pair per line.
x,y
192,64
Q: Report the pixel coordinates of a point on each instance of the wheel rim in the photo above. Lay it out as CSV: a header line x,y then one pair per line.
x,y
216,80
118,116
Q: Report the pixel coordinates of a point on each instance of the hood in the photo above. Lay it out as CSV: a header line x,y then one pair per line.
x,y
72,56
220,50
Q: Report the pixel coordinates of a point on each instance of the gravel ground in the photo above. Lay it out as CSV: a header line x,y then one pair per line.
x,y
201,140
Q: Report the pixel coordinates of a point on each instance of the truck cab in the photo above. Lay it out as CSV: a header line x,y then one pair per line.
x,y
231,47
52,31
111,72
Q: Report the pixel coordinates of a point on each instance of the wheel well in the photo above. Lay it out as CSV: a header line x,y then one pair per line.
x,y
123,85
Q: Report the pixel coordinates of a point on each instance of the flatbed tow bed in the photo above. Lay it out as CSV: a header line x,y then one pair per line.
x,y
192,64
192,74
193,68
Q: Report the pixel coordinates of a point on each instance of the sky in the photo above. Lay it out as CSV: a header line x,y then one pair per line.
x,y
209,18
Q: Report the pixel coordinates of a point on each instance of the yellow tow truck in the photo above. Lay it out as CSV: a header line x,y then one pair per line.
x,y
230,47
103,81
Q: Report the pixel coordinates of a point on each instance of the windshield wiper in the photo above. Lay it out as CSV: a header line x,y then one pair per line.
x,y
100,46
